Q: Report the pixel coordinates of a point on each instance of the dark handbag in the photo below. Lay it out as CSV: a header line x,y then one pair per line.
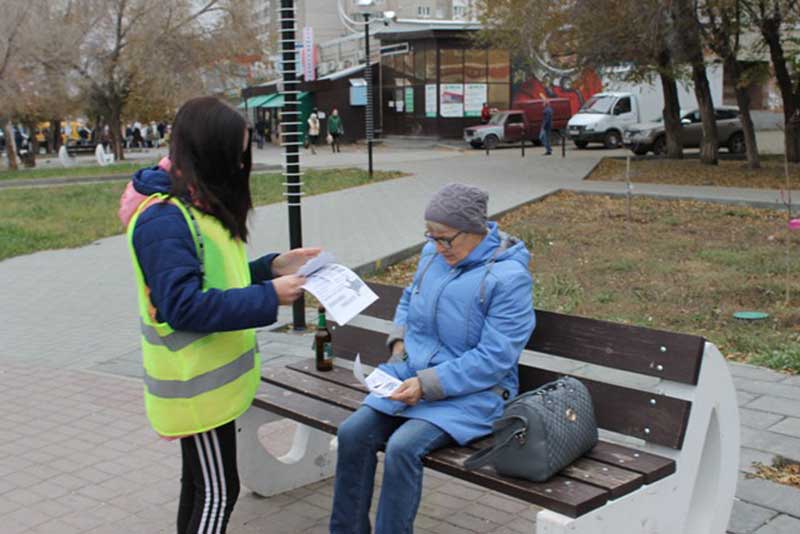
x,y
541,432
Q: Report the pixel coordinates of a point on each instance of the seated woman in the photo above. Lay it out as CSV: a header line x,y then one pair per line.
x,y
459,330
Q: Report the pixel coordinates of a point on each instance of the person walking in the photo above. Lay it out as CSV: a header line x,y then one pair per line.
x,y
261,129
200,300
486,113
313,130
335,130
547,127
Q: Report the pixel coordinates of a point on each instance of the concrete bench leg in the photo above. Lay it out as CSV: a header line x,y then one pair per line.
x,y
311,457
698,498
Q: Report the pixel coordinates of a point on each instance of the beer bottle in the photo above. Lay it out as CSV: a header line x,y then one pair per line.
x,y
322,343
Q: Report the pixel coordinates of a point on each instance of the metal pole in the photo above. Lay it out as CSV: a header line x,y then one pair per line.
x,y
290,141
368,76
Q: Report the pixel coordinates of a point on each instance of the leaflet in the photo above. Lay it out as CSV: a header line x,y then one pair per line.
x,y
378,382
343,294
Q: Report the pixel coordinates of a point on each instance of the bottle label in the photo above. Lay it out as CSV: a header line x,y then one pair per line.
x,y
327,352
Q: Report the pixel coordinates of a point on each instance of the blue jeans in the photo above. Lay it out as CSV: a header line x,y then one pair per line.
x,y
544,137
360,438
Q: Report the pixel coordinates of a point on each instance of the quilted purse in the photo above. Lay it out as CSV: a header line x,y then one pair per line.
x,y
541,432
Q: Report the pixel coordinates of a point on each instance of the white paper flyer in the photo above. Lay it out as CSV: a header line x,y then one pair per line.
x,y
378,382
343,294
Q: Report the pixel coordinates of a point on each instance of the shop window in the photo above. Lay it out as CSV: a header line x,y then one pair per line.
x,y
430,65
419,65
499,94
475,66
452,65
499,66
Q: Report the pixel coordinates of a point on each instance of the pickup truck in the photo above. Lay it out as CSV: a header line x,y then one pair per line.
x,y
517,125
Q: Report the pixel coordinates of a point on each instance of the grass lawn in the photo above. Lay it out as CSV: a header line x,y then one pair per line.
x,y
44,218
57,171
729,173
679,265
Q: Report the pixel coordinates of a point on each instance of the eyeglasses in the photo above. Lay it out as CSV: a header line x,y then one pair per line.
x,y
446,242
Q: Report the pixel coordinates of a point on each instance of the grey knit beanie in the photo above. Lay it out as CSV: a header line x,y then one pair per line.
x,y
459,206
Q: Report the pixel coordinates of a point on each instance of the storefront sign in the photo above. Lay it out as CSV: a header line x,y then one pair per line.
x,y
474,97
409,100
451,100
430,100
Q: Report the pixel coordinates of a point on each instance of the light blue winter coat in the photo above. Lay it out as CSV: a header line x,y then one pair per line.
x,y
464,328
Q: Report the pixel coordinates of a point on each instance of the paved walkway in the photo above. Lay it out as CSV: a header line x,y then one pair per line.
x,y
76,454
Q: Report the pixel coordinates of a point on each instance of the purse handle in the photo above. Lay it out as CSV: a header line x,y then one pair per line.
x,y
486,455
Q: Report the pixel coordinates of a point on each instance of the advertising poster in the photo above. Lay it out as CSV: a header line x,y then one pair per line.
x,y
409,100
474,97
430,100
451,99
309,61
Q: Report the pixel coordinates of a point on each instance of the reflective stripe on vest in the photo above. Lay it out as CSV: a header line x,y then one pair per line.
x,y
175,389
175,341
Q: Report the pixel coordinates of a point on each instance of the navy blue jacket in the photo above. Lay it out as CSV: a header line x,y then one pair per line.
x,y
167,256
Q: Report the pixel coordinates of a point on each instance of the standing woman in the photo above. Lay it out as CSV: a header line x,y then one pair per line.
x,y
335,129
200,300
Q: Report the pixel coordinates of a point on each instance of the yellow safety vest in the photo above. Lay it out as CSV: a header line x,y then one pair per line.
x,y
197,381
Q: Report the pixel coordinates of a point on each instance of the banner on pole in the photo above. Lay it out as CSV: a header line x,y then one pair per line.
x,y
309,61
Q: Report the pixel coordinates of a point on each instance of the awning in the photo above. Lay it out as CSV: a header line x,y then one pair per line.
x,y
256,101
277,100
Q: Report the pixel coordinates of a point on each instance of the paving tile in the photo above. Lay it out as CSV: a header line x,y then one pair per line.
x,y
758,419
783,524
747,457
764,440
768,494
746,517
776,405
754,372
789,426
779,389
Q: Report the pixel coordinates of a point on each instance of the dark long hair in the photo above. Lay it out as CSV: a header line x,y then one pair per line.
x,y
210,164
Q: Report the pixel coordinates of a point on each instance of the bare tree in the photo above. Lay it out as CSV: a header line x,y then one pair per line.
x,y
688,43
153,54
723,25
774,20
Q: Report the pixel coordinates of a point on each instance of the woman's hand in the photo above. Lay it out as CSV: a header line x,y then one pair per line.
x,y
289,262
288,287
410,391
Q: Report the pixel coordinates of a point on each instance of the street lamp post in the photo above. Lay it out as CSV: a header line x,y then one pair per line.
x,y
368,75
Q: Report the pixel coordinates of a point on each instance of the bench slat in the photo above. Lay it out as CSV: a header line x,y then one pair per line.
x,y
620,346
651,466
648,416
311,412
337,375
311,386
631,348
351,340
563,495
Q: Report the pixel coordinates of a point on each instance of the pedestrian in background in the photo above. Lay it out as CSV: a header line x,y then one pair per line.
x,y
547,127
313,130
486,113
335,130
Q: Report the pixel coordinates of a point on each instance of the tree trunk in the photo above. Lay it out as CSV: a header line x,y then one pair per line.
x,y
743,101
11,147
115,125
672,116
709,149
55,133
770,30
33,145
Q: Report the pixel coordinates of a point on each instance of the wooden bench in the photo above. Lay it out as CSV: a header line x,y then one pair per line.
x,y
665,403
74,150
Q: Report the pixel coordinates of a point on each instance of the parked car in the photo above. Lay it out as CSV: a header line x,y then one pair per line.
x,y
650,136
515,125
